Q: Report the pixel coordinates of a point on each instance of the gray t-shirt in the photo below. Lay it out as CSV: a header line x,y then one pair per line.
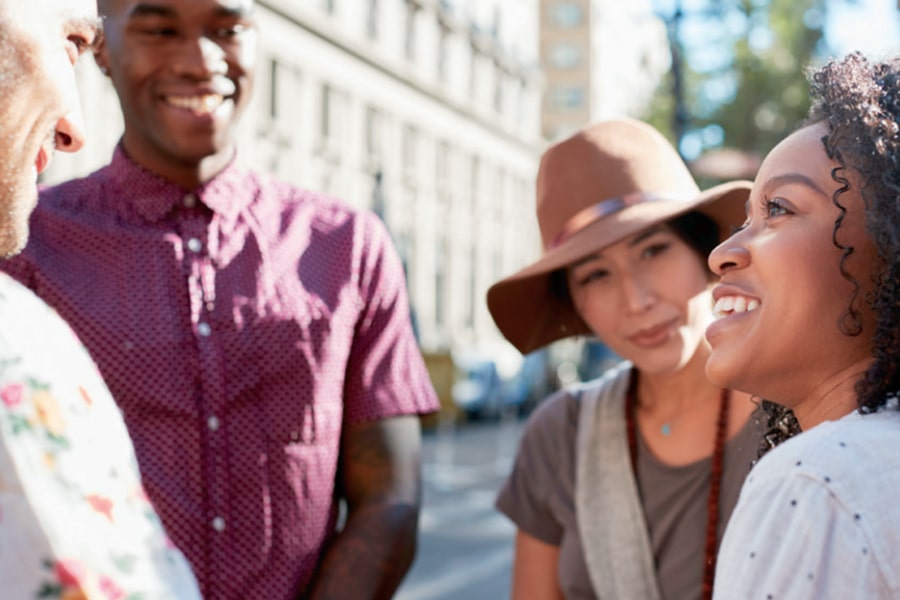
x,y
539,497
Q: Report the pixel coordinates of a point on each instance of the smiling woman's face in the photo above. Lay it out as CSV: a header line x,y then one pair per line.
x,y
646,297
783,298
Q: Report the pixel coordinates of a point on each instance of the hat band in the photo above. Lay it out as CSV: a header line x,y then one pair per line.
x,y
604,208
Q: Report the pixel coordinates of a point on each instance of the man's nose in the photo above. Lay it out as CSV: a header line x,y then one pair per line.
x,y
69,135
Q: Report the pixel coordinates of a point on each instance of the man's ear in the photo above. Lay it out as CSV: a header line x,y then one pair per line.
x,y
101,56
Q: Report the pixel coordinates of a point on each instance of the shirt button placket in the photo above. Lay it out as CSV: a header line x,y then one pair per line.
x,y
212,395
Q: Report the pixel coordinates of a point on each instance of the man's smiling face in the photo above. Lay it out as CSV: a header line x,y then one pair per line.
x,y
183,71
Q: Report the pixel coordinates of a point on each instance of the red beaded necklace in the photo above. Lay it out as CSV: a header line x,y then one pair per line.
x,y
715,485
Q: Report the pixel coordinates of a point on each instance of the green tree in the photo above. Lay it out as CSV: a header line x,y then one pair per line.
x,y
744,84
771,92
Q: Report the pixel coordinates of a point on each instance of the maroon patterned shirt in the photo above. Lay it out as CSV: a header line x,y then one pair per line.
x,y
239,327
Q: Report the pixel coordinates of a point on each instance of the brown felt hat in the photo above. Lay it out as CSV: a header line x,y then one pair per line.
x,y
607,182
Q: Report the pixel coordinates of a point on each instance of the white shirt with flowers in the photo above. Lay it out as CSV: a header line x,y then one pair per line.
x,y
74,520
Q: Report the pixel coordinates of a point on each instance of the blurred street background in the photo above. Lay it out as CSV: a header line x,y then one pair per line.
x,y
465,546
434,113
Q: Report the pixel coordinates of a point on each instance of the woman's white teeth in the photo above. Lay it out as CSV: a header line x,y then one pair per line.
x,y
198,104
734,304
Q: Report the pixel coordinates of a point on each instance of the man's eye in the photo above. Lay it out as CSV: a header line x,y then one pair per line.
x,y
76,45
230,32
161,32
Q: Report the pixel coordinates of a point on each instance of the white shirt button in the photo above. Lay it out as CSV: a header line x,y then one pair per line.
x,y
190,201
218,524
213,423
204,329
195,245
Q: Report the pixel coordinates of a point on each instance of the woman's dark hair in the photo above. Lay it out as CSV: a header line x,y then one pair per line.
x,y
859,101
698,231
695,229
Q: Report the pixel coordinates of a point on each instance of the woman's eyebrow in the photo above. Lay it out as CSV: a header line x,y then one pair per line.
x,y
796,178
649,232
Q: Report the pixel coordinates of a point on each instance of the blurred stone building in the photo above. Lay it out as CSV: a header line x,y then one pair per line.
x,y
425,111
601,59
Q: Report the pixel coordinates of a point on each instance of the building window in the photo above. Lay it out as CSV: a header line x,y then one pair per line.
x,y
373,137
567,97
475,215
565,56
409,151
409,45
326,112
441,267
499,83
472,297
442,167
443,44
567,14
274,69
372,20
473,74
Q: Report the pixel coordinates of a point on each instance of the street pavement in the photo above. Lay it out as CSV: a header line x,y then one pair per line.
x,y
465,545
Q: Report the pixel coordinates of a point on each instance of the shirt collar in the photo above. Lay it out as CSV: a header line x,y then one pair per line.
x,y
152,197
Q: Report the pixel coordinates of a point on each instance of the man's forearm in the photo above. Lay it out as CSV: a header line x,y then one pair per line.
x,y
371,555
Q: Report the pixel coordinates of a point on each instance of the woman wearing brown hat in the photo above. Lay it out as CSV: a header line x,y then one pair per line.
x,y
622,486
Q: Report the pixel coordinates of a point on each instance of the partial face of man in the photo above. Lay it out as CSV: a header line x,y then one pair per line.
x,y
40,42
183,72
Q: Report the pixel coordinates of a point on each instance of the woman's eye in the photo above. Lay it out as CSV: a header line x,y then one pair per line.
x,y
654,250
774,209
591,277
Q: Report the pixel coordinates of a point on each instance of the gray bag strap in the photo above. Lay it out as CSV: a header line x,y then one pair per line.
x,y
608,509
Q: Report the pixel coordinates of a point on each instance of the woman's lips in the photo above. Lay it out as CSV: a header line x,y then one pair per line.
x,y
653,336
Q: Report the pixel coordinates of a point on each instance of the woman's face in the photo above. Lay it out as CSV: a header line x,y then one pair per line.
x,y
783,298
646,297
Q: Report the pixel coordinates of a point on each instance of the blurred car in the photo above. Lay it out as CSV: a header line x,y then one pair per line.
x,y
481,391
478,390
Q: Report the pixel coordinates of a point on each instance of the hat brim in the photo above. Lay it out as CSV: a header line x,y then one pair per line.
x,y
530,315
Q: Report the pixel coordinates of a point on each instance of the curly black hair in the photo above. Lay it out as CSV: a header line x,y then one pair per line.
x,y
859,101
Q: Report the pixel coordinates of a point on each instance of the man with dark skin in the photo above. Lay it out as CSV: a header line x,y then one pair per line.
x,y
255,336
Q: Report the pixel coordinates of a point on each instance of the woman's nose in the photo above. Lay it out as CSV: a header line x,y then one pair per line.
x,y
728,255
638,295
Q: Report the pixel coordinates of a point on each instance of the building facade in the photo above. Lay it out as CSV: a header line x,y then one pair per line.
x,y
425,111
601,59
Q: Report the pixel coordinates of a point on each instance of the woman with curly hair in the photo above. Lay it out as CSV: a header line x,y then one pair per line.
x,y
808,319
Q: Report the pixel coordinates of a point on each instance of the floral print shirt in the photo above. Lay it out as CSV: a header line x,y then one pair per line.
x,y
74,520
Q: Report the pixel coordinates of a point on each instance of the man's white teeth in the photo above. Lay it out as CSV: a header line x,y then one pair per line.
x,y
727,305
198,104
